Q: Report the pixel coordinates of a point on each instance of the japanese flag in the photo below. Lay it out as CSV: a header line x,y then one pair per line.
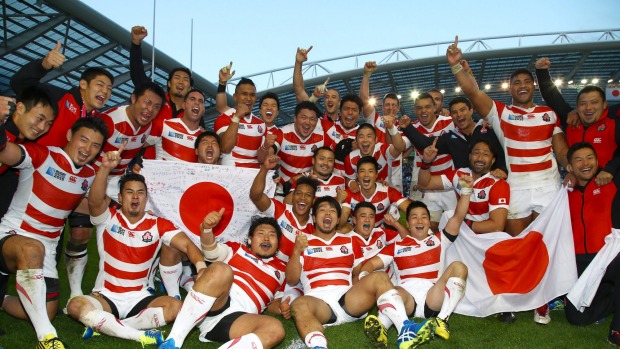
x,y
612,94
185,192
517,273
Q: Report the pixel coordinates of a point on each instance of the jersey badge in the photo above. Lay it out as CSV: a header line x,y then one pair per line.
x,y
147,237
379,244
344,250
260,129
430,242
482,194
380,207
71,107
546,117
85,185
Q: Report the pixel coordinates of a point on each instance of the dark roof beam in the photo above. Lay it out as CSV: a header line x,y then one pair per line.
x,y
22,39
77,62
577,66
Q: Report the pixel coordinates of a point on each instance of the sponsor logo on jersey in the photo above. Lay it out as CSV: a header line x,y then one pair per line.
x,y
328,248
241,127
71,107
117,229
344,250
515,117
147,237
251,257
311,250
597,140
133,139
190,138
403,250
175,135
530,116
546,117
55,173
290,147
119,140
596,191
72,179
482,194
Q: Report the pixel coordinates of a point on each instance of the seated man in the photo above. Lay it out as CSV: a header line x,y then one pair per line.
x,y
207,147
128,240
228,298
488,208
52,183
426,291
330,184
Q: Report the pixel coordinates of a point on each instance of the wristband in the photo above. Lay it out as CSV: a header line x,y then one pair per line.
x,y
200,265
235,119
209,245
349,182
362,274
207,230
221,88
456,68
467,191
393,131
313,99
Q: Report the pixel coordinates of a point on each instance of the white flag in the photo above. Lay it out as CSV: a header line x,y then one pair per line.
x,y
612,94
185,192
517,273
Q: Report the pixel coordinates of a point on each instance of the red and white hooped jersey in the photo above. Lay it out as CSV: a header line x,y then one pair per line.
x,y
173,140
50,187
296,154
127,251
249,138
381,153
416,258
526,135
327,187
379,238
383,197
121,130
289,225
443,162
275,130
258,278
329,263
489,193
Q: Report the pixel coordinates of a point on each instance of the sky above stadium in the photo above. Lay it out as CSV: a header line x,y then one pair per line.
x,y
263,35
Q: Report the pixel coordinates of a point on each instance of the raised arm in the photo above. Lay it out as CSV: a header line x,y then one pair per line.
x,y
480,100
257,195
454,223
560,148
293,268
211,249
229,137
398,144
369,68
298,77
425,179
10,153
550,92
32,73
97,203
221,100
136,67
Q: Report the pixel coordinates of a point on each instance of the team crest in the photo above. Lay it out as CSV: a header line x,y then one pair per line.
x,y
278,274
380,207
546,117
430,242
482,194
601,128
260,129
379,244
85,185
314,147
143,139
147,237
344,250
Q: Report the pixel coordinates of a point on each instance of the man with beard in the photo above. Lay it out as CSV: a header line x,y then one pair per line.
x,y
227,300
52,183
488,206
207,148
329,183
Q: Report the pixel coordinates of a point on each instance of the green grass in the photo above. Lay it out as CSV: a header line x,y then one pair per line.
x,y
466,332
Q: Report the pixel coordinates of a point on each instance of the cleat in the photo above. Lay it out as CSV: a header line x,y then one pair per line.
x,y
51,342
443,329
89,333
557,304
151,337
375,331
168,344
507,318
413,334
541,315
614,338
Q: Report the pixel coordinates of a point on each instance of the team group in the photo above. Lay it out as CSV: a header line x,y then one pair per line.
x,y
329,246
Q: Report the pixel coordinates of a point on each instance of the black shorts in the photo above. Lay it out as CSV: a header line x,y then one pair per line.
x,y
221,331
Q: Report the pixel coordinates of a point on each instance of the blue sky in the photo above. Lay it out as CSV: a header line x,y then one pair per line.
x,y
263,35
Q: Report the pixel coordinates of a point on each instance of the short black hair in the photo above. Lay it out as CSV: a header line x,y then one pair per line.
x,y
424,95
494,151
313,183
35,95
592,88
391,95
194,90
244,81
415,204
332,202
90,73
363,204
93,123
578,146
521,71
178,69
131,177
260,220
150,86
307,105
368,160
460,99
316,151
368,126
207,133
352,98
270,95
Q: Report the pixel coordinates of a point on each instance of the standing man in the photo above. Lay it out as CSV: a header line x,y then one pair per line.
x,y
330,184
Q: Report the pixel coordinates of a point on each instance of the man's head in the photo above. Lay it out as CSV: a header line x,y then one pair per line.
x,y
323,161
34,113
245,93
438,98
179,82
207,147
332,101
303,195
482,156
146,102
350,109
418,219
522,87
95,87
305,119
264,236
269,108
591,103
582,161
194,105
86,138
367,170
364,218
424,109
133,195
391,104
326,214
366,138
461,111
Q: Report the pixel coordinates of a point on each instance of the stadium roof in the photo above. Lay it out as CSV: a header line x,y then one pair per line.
x,y
32,27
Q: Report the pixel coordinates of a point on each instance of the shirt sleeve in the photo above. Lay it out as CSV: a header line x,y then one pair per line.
x,y
499,195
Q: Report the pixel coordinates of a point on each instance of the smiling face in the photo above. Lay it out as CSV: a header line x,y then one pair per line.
x,y
35,122
438,99
83,145
326,218
305,122
424,109
179,84
208,150
481,159
96,93
390,106
133,199
522,90
332,101
367,176
194,106
269,111
264,241
144,109
419,223
590,107
323,163
349,114
364,221
462,116
366,140
303,197
584,165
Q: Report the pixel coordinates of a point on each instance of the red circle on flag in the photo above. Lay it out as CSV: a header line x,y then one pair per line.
x,y
202,198
516,265
615,93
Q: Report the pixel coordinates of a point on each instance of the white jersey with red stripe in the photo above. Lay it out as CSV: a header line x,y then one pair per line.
x,y
173,140
127,250
289,225
526,135
296,154
327,187
383,197
414,258
50,187
381,153
443,162
379,238
275,130
249,138
257,278
328,265
490,193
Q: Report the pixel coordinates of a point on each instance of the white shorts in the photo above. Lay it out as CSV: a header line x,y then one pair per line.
x,y
125,302
238,303
418,289
524,201
439,201
331,297
49,260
